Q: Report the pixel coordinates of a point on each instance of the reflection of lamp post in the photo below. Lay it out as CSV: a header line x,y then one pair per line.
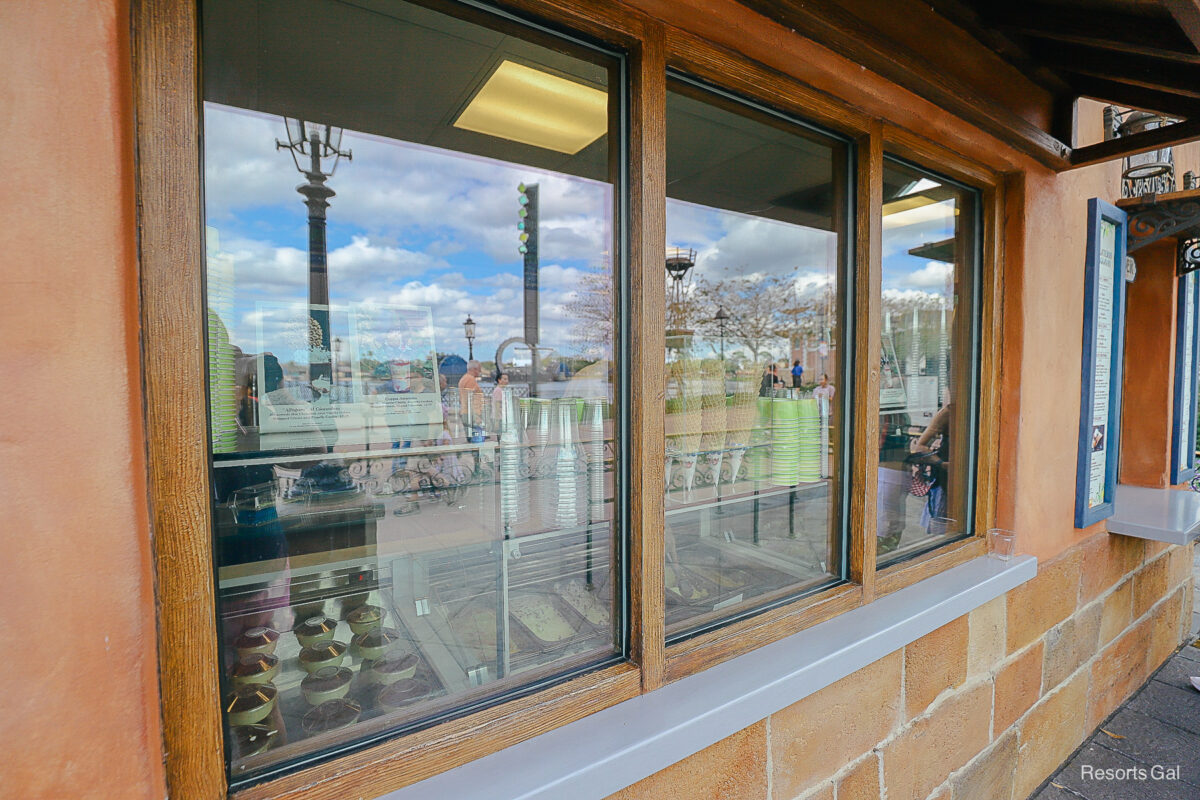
x,y
721,319
679,263
314,142
469,330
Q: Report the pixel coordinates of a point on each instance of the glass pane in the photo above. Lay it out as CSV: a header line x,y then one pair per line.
x,y
926,361
756,234
410,365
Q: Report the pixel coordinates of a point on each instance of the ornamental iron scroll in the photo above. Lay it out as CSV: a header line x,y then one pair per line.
x,y
1188,255
1179,218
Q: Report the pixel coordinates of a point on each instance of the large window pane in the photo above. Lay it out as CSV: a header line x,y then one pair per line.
x,y
756,238
927,361
410,365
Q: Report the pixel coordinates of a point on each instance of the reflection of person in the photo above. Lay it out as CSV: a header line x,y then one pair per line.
x,y
770,380
934,443
470,394
824,388
797,374
501,382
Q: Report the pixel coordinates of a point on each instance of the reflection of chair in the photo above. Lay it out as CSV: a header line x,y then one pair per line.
x,y
285,479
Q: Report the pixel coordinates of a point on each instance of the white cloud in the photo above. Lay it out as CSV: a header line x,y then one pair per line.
x,y
931,276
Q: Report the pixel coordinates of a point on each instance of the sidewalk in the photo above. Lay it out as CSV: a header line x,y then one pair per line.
x,y
1155,730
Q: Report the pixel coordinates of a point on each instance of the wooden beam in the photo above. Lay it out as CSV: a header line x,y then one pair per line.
x,y
862,43
1139,143
1187,14
1135,70
1104,41
1123,94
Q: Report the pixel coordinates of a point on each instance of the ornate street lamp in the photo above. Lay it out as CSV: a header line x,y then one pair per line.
x,y
679,263
469,330
311,143
721,319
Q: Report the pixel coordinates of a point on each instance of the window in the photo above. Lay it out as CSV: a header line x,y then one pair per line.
x,y
757,232
927,361
412,385
472,540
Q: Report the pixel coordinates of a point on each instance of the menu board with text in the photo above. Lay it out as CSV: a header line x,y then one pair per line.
x,y
1103,339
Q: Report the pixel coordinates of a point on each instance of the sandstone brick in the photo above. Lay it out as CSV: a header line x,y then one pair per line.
x,y
1154,550
934,663
941,794
1018,686
1107,560
814,738
1180,568
1069,644
862,782
822,792
1049,733
923,755
1164,631
986,639
734,768
990,775
1118,669
1185,620
1045,601
1118,612
1150,585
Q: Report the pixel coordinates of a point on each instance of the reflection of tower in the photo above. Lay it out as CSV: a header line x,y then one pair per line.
x,y
679,263
222,366
315,142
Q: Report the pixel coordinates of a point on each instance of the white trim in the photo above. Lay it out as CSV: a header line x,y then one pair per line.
x,y
611,749
1163,515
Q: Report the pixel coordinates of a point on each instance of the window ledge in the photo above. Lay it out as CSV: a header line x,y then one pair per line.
x,y
1164,515
611,749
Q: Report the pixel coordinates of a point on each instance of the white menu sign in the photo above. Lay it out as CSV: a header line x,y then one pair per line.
x,y
1187,374
1102,367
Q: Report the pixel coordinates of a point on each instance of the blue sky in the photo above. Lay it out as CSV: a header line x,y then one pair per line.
x,y
420,227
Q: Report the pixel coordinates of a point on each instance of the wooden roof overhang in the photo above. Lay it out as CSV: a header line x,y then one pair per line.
x,y
1016,69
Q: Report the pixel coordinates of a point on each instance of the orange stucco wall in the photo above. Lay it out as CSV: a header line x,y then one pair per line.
x,y
79,717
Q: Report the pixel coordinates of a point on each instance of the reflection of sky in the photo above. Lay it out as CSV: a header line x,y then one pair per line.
x,y
410,226
912,277
417,226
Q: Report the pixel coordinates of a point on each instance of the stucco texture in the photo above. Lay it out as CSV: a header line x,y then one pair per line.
x,y
79,717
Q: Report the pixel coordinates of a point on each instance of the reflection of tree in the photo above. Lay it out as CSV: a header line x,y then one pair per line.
x,y
592,308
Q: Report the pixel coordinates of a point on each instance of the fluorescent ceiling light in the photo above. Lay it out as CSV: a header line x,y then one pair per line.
x,y
916,210
527,105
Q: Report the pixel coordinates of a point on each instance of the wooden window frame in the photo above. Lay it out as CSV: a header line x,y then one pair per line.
x,y
166,67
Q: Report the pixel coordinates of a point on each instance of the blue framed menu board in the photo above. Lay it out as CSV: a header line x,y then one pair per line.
x,y
1187,332
1103,346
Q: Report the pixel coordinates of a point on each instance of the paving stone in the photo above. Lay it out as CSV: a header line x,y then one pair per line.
x,y
1149,741
1077,777
1176,673
1052,792
1169,704
1190,653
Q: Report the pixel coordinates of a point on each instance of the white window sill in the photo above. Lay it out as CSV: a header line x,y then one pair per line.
x,y
1163,515
611,749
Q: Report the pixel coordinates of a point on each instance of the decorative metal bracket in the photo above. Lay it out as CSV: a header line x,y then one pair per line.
x,y
1188,256
1159,220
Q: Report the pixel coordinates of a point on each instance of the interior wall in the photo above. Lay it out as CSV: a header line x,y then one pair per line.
x,y
80,715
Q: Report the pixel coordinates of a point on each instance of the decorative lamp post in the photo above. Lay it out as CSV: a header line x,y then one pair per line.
x,y
721,319
469,330
679,263
311,143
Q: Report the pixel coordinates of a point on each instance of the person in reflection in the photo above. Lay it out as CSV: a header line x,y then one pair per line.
x,y
797,374
470,399
824,389
770,381
932,448
498,392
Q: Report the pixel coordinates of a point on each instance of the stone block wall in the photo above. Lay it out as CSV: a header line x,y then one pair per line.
x,y
984,708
